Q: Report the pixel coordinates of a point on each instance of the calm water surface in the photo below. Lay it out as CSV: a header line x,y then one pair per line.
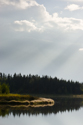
x,y
64,112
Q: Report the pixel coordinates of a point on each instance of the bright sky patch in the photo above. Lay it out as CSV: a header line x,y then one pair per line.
x,y
41,37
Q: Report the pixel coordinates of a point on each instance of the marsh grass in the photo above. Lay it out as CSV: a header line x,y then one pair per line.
x,y
16,97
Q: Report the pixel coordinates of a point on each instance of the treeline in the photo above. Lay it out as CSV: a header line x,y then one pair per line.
x,y
34,84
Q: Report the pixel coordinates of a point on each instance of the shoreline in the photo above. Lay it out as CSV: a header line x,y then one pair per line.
x,y
32,103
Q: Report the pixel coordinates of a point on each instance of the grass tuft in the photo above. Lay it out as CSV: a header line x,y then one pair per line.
x,y
17,97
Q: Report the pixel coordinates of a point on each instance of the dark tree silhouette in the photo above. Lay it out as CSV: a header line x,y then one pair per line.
x,y
34,84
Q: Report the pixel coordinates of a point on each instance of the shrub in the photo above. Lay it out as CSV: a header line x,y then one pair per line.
x,y
5,89
0,89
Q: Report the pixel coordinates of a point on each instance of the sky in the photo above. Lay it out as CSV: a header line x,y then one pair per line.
x,y
42,37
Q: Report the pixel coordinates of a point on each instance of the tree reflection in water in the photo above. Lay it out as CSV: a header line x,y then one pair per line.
x,y
61,105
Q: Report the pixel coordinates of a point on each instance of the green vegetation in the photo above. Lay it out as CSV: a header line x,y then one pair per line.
x,y
31,84
16,97
4,89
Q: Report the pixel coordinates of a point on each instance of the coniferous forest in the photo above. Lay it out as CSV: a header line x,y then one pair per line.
x,y
34,84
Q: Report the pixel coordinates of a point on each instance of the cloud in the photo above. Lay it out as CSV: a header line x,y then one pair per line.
x,y
25,25
68,23
21,4
73,7
41,20
53,23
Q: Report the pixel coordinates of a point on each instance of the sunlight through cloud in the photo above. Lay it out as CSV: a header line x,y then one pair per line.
x,y
81,49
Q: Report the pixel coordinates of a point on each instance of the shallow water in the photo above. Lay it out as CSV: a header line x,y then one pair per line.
x,y
64,112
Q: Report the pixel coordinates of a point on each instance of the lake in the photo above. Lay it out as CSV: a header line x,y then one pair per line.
x,y
64,112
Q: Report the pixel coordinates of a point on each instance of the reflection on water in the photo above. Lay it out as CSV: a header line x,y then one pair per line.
x,y
61,105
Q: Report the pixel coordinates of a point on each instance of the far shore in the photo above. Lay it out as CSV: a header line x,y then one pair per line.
x,y
58,96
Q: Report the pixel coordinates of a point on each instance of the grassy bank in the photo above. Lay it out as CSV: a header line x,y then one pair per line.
x,y
17,99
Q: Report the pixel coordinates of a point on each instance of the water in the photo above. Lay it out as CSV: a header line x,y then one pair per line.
x,y
64,112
